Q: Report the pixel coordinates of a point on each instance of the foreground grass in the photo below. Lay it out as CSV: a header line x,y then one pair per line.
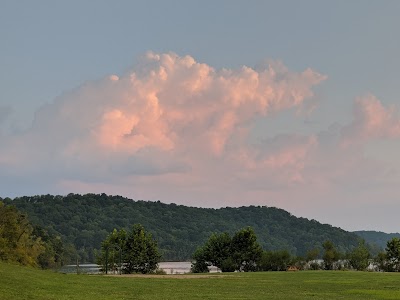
x,y
26,283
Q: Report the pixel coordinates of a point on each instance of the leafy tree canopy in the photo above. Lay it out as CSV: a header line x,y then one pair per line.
x,y
25,244
331,255
238,253
393,255
275,260
137,249
359,257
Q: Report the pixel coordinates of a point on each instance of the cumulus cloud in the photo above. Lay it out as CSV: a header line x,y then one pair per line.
x,y
164,116
372,120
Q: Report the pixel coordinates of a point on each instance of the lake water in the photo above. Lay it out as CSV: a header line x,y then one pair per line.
x,y
82,269
180,267
175,267
171,267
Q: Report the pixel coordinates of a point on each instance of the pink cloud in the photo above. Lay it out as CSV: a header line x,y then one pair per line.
x,y
371,121
174,102
168,108
280,160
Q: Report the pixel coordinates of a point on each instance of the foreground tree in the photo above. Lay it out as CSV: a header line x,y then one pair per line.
x,y
139,251
26,244
111,250
330,256
200,264
393,255
218,251
275,261
17,243
246,251
239,253
359,257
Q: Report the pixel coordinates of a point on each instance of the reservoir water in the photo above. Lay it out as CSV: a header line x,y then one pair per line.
x,y
172,267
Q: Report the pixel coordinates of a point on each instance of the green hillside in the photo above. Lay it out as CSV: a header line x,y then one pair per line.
x,y
377,238
85,220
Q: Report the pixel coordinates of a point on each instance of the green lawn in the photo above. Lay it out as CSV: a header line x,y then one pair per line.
x,y
26,283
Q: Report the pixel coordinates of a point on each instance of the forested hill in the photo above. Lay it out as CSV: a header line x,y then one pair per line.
x,y
85,220
378,238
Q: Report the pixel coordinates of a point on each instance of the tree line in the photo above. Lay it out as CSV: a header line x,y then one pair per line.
x,y
137,252
242,252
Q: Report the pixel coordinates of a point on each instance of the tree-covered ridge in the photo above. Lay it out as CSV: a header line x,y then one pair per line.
x,y
85,221
377,238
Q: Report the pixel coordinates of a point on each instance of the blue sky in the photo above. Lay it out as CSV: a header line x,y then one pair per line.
x,y
54,54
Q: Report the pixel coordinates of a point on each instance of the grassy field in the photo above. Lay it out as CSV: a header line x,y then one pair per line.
x,y
26,283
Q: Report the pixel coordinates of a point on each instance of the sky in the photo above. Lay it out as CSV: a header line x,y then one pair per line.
x,y
292,104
